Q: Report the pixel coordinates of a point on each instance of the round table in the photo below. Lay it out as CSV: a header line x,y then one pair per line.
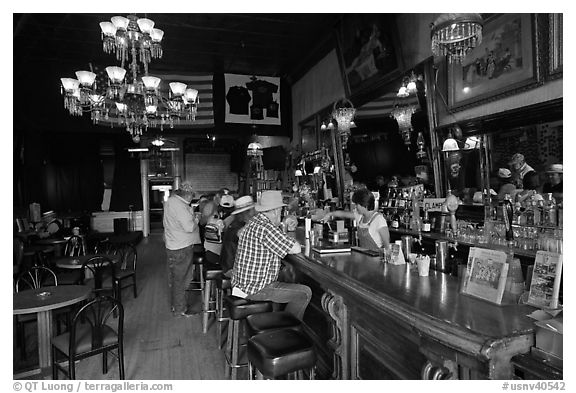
x,y
56,242
42,301
77,262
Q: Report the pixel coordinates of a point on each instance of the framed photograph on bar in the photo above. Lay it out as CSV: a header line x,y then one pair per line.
x,y
368,50
555,56
507,61
486,274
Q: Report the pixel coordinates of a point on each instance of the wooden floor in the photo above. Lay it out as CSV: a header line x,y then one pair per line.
x,y
156,344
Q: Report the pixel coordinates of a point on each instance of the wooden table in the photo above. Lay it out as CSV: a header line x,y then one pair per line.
x,y
77,262
42,301
56,242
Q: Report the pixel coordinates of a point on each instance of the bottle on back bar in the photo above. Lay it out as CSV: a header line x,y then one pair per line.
x,y
550,210
395,219
426,224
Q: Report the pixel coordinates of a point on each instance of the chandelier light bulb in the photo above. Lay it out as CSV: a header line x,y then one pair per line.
x,y
151,109
151,82
177,88
145,25
108,29
190,95
156,35
116,74
120,22
86,78
122,108
402,92
70,85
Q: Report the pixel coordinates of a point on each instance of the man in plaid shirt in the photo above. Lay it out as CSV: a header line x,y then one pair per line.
x,y
261,247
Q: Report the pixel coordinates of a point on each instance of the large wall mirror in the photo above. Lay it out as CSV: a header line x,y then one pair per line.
x,y
491,152
392,135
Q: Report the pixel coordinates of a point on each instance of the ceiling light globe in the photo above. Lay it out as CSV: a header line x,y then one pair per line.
x,y
145,25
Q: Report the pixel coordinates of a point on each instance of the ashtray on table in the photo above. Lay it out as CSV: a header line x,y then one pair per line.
x,y
44,294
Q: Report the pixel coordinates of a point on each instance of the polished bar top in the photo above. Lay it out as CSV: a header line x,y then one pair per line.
x,y
432,304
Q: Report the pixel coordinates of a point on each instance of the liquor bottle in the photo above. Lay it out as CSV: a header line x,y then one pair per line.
x,y
400,201
426,224
396,219
529,213
560,220
538,212
354,233
507,213
550,210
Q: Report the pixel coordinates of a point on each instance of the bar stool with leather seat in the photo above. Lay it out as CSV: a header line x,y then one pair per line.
x,y
223,287
213,272
238,310
269,321
279,353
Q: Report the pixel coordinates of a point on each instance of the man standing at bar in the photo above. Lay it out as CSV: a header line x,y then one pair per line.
x,y
261,247
180,234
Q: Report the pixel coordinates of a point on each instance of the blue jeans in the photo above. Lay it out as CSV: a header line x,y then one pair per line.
x,y
296,296
180,271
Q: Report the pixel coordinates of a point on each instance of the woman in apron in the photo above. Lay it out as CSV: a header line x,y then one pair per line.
x,y
372,228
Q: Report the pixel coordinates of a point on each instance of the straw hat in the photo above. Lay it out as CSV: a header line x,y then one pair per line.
x,y
555,168
243,203
269,200
504,173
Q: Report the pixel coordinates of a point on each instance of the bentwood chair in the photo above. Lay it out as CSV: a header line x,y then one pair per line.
x,y
100,274
75,246
97,328
125,269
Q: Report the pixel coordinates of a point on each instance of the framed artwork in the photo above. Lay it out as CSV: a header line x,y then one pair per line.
x,y
252,99
486,274
368,50
545,284
506,62
555,56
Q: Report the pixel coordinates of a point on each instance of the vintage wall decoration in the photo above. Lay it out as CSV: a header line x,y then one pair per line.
x,y
252,99
506,62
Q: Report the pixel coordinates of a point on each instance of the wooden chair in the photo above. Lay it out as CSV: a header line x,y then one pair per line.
x,y
97,328
18,256
101,274
125,269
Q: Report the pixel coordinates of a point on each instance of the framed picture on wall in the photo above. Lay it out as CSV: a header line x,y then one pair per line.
x,y
555,56
507,61
368,50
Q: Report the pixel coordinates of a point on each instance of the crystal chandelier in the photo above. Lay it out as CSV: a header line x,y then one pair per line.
x,y
134,100
403,116
343,112
454,35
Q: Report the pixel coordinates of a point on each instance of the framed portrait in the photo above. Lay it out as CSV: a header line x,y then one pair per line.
x,y
555,56
368,51
507,61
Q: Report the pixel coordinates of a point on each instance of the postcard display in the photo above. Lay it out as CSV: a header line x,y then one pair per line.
x,y
546,277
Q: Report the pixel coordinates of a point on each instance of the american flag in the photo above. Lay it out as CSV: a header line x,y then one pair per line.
x,y
200,82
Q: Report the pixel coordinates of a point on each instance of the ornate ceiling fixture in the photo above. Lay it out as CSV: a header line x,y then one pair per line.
x,y
343,112
403,116
454,35
134,101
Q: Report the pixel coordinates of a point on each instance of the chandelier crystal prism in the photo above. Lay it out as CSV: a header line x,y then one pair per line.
x,y
130,99
454,35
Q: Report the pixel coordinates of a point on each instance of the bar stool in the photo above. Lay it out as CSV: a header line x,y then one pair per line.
x,y
238,310
279,353
269,321
223,287
213,272
198,281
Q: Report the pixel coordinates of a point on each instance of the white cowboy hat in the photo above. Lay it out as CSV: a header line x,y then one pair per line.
x,y
270,200
243,203
555,168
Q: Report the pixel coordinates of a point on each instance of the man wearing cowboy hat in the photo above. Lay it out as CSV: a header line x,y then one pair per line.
x,y
243,212
261,248
554,173
180,234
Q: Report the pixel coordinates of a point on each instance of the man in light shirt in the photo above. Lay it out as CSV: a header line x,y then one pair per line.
x,y
181,232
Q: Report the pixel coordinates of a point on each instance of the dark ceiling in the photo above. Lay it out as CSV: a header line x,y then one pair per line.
x,y
260,44
56,45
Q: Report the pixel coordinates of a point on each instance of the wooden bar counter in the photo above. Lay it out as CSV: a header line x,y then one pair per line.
x,y
372,320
